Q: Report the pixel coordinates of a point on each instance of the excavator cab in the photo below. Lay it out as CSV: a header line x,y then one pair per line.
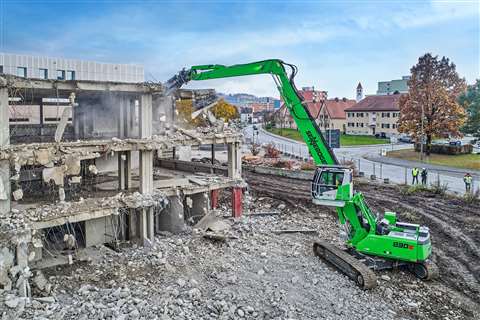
x,y
332,185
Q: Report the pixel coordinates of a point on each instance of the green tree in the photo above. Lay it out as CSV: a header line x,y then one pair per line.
x,y
470,100
434,86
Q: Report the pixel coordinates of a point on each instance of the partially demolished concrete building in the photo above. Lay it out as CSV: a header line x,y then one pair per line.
x,y
112,180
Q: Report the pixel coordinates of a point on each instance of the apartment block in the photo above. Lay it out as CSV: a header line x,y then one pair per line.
x,y
374,115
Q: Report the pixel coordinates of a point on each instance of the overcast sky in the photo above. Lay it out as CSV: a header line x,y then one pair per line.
x,y
334,43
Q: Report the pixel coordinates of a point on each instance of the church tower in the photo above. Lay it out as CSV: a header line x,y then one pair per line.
x,y
359,92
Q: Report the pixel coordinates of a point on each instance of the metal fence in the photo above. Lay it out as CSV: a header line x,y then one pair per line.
x,y
387,173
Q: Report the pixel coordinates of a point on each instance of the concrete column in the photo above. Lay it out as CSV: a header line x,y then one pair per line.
x,y
22,261
214,198
41,113
121,120
124,170
146,167
124,125
132,224
237,202
4,141
234,161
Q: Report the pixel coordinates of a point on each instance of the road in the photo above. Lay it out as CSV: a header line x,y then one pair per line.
x,y
397,172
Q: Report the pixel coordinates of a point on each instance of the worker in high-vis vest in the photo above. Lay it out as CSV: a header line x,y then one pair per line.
x,y
415,173
468,182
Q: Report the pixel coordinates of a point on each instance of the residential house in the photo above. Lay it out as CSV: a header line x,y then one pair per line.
x,y
377,114
312,98
332,114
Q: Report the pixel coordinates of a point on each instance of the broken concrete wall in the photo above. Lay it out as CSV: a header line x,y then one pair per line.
x,y
198,205
109,162
163,114
98,115
99,231
172,217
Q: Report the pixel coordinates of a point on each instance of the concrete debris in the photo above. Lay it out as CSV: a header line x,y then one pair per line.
x,y
72,165
43,156
67,111
41,283
6,263
17,194
75,180
61,193
93,169
70,242
3,191
262,276
138,200
212,223
309,231
55,174
46,299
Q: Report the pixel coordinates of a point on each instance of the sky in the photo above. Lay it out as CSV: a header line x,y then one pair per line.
x,y
334,43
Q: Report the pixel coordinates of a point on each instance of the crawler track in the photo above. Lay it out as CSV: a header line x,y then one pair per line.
x,y
354,269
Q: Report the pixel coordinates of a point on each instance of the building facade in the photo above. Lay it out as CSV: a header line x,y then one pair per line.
x,y
312,98
68,69
332,114
374,115
393,86
37,67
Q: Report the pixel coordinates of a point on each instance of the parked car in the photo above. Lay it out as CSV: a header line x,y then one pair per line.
x,y
381,135
405,139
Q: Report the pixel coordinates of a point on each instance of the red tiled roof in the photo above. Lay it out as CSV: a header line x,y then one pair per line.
x,y
336,107
313,108
377,103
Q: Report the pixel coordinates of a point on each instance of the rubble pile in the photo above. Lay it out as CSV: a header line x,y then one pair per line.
x,y
287,164
254,274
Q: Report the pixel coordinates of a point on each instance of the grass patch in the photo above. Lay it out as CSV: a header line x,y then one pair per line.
x,y
464,161
345,140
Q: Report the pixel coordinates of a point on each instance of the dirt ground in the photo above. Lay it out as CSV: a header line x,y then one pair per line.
x,y
259,272
454,225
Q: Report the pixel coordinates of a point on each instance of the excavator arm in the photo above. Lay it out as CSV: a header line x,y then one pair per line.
x,y
318,147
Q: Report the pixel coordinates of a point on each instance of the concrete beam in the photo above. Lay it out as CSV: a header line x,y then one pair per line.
x,y
77,85
124,170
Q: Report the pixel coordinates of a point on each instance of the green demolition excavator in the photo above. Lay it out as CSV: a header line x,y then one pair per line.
x,y
372,241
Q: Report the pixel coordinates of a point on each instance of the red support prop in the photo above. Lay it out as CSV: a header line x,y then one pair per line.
x,y
214,198
237,202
